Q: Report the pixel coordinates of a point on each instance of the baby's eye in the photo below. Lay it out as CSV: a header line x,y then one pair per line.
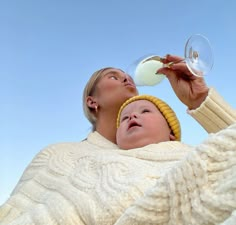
x,y
124,118
145,110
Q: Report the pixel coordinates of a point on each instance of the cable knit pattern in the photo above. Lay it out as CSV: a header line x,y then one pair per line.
x,y
80,183
201,189
94,182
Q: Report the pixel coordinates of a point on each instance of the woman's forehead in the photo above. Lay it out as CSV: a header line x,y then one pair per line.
x,y
112,70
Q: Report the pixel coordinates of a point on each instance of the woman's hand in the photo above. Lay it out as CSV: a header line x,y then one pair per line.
x,y
190,89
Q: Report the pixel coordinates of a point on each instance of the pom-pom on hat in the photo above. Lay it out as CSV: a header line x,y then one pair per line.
x,y
163,107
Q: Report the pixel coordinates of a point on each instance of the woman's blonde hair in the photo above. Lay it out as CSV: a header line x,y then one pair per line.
x,y
89,91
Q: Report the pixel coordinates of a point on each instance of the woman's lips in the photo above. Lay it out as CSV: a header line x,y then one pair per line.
x,y
130,85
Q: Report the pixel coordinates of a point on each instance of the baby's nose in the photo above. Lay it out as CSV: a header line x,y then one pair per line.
x,y
133,115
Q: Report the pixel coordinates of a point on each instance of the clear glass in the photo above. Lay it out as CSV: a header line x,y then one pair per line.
x,y
198,56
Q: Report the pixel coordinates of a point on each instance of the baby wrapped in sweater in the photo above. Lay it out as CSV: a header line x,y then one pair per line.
x,y
196,194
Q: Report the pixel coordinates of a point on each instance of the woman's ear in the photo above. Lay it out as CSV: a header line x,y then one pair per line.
x,y
91,102
172,137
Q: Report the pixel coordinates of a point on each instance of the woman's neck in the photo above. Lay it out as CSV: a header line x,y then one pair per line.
x,y
106,126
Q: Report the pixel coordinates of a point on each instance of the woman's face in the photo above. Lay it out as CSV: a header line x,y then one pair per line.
x,y
141,123
113,88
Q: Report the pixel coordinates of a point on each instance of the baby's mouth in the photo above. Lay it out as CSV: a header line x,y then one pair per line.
x,y
133,124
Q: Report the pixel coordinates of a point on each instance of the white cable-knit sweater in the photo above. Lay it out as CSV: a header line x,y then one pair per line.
x,y
93,182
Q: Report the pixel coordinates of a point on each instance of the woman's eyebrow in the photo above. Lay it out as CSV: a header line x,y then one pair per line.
x,y
122,71
110,72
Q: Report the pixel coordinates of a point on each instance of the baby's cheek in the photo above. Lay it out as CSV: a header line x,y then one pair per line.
x,y
119,134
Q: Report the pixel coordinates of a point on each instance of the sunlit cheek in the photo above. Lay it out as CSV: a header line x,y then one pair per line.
x,y
120,131
158,126
107,86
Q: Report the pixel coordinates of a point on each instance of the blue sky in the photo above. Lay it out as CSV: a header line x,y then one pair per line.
x,y
49,49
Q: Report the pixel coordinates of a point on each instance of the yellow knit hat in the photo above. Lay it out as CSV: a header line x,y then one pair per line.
x,y
163,107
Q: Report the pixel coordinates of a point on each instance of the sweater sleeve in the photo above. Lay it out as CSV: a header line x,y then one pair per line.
x,y
41,196
201,189
9,210
214,113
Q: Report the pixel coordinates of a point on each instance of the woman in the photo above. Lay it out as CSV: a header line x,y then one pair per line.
x,y
93,181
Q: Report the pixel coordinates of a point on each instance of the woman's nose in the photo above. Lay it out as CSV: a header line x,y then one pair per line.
x,y
125,79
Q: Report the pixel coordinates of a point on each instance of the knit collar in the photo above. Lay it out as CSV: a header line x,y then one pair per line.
x,y
164,150
97,139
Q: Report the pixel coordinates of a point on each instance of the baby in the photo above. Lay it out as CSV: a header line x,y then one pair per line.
x,y
144,120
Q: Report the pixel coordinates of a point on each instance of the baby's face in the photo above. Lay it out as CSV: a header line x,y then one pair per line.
x,y
141,123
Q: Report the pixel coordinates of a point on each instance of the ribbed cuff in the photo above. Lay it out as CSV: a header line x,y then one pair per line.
x,y
214,113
